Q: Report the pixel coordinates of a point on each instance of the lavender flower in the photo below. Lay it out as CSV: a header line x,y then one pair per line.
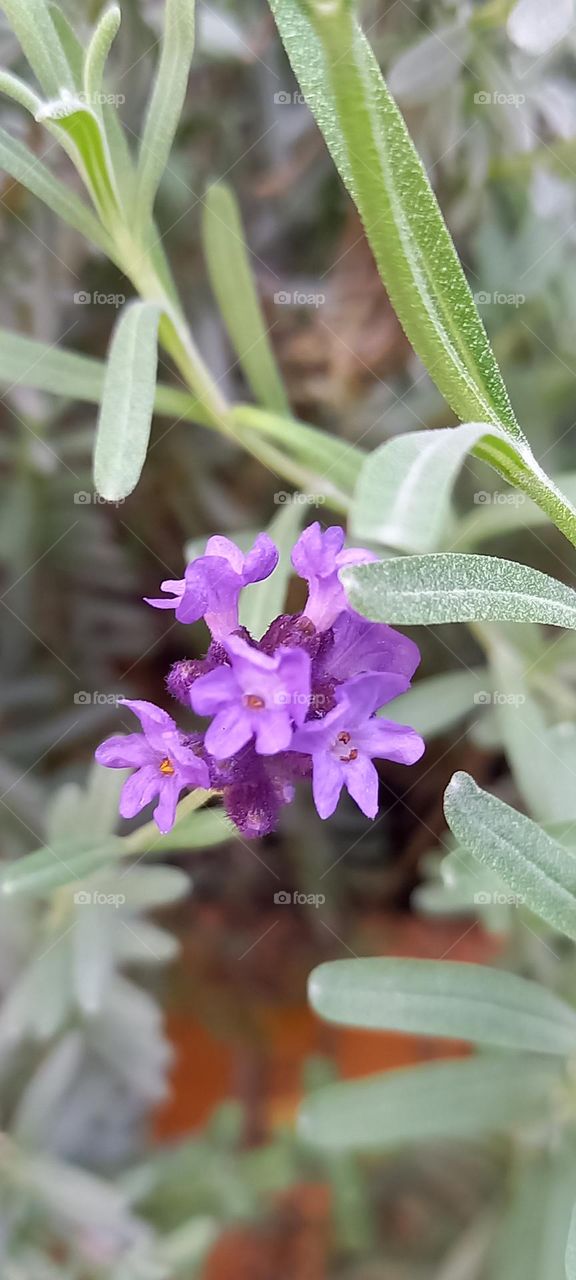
x,y
258,696
164,762
298,704
212,583
318,557
344,743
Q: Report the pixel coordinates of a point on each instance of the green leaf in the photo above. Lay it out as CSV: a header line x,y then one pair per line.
x,y
127,401
19,92
373,152
32,23
531,1236
450,587
31,363
97,54
499,515
540,872
571,1248
433,705
233,284
443,998
264,601
403,497
431,1102
79,130
165,105
338,462
27,169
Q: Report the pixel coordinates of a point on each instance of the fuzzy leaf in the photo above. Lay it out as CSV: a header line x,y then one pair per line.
x,y
127,402
449,587
444,998
539,871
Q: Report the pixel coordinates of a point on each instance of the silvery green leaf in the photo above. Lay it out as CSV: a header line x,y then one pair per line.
x,y
89,813
196,830
232,280
538,870
127,401
450,587
531,1235
536,28
66,373
35,30
403,496
92,952
27,169
165,104
140,942
542,756
97,52
20,92
444,998
264,601
145,887
40,1000
437,703
47,1089
374,154
435,1101
571,1248
430,65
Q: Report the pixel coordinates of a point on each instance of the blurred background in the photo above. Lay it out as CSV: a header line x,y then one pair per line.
x,y
150,1120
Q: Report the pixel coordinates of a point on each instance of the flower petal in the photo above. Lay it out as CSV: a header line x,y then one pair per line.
x,y
327,783
230,730
165,811
386,740
361,780
139,790
211,692
125,751
273,730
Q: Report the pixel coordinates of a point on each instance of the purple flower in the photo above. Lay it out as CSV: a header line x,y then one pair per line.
x,y
212,584
318,557
355,646
164,761
344,743
259,695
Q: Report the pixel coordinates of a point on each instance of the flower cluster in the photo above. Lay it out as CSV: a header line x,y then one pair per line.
x,y
299,703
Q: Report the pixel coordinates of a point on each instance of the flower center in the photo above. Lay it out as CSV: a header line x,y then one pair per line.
x,y
344,738
167,767
253,701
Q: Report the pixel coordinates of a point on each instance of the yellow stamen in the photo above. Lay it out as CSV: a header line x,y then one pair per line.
x,y
167,767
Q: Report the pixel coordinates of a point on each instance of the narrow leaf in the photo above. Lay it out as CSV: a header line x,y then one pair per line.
x,y
431,1102
165,104
571,1248
449,587
540,872
127,402
444,998
97,53
28,170
79,130
233,284
372,149
32,23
